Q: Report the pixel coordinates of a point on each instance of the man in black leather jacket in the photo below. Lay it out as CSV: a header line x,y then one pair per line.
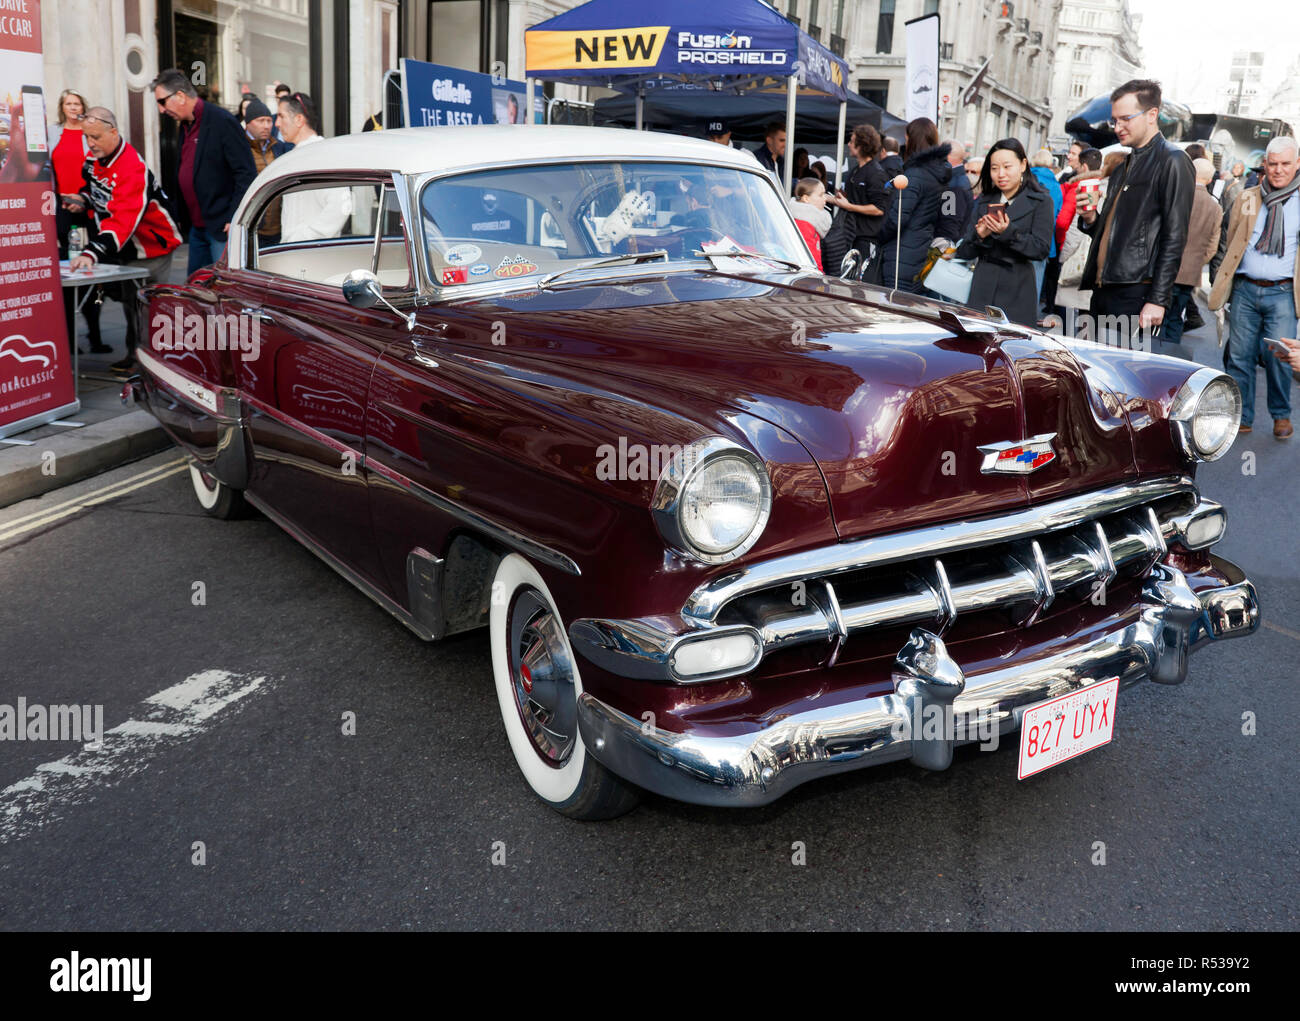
x,y
1140,231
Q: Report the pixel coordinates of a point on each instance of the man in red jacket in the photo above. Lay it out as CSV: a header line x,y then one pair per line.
x,y
129,221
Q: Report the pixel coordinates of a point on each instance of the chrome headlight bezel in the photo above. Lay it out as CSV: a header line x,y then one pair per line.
x,y
676,479
1187,404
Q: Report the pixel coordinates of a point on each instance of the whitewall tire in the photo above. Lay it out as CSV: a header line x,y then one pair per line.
x,y
538,684
214,497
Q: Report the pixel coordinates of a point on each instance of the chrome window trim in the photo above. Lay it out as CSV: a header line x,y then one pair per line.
x,y
238,244
708,599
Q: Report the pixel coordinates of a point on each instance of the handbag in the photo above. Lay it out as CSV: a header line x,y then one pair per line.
x,y
1072,269
951,278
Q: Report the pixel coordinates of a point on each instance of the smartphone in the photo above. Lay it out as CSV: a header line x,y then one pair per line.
x,y
34,121
997,207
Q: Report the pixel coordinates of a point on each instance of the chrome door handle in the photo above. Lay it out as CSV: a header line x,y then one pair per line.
x,y
257,313
419,355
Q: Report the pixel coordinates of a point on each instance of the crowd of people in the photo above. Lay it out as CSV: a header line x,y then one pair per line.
x,y
1124,237
113,210
1113,244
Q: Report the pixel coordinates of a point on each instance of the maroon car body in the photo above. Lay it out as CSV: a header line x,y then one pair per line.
x,y
451,475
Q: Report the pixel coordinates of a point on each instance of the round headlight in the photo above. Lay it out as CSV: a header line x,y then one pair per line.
x,y
713,500
1218,414
1205,415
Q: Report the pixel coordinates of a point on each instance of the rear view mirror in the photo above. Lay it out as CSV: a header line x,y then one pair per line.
x,y
850,265
361,289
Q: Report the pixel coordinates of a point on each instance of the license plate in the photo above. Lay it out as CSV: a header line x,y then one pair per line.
x,y
1066,727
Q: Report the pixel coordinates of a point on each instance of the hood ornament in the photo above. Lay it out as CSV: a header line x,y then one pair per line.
x,y
1018,458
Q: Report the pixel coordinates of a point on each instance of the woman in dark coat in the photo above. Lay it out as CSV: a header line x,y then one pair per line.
x,y
925,165
1008,241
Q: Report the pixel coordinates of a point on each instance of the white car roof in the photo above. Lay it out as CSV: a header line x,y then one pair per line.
x,y
421,150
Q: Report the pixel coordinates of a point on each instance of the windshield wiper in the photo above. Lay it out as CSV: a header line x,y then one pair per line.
x,y
617,260
748,255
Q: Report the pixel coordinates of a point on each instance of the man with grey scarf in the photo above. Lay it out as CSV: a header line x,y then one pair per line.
x,y
1260,274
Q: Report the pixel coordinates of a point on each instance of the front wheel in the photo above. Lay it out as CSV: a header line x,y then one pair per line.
x,y
215,497
538,685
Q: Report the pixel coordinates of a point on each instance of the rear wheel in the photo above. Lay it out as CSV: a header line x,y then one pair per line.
x,y
538,685
214,497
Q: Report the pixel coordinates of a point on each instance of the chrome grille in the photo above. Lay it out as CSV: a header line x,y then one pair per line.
x,y
1024,576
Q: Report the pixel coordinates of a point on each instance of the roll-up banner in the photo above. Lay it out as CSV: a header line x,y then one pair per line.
x,y
921,74
36,383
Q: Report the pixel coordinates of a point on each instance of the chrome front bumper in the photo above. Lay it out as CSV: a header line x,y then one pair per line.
x,y
757,767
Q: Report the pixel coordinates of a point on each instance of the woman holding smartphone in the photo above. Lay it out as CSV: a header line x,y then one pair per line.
x,y
1014,220
69,155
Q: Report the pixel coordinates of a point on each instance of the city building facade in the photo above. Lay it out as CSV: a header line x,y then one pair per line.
x,y
1016,37
1097,50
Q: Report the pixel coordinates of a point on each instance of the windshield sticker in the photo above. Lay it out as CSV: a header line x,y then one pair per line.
x,y
717,251
453,275
481,269
516,266
462,255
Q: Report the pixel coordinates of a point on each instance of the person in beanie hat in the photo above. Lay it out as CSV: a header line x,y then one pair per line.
x,y
258,126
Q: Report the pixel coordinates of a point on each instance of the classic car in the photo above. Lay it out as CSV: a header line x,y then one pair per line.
x,y
730,524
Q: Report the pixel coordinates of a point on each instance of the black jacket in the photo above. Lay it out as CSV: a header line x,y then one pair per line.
x,y
223,167
1004,275
928,177
892,163
1154,187
958,202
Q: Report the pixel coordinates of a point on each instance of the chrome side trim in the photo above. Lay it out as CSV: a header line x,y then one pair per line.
x,y
504,535
756,767
933,541
374,593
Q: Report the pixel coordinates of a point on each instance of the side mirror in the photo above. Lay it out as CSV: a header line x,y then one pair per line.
x,y
361,290
850,264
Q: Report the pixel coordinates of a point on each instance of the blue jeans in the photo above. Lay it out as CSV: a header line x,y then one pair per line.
x,y
1172,327
1256,313
206,247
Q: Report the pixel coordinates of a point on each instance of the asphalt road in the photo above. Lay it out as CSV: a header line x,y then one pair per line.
x,y
395,827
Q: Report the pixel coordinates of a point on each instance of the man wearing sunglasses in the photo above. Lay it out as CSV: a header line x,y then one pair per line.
x,y
1141,230
216,166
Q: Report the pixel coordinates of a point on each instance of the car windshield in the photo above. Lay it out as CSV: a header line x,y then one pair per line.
x,y
519,221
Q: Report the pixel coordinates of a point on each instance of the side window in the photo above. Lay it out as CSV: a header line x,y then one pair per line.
x,y
321,231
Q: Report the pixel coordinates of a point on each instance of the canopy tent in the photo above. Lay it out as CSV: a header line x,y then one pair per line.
x,y
735,46
681,107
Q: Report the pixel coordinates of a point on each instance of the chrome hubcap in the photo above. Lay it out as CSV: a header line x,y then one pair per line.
x,y
542,678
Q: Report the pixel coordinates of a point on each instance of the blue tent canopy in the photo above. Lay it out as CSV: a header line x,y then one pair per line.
x,y
622,43
683,108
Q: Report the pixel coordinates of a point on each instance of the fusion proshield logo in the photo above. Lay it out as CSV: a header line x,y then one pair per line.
x,y
726,48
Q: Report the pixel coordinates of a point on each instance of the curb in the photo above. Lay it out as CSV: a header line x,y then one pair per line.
x,y
82,453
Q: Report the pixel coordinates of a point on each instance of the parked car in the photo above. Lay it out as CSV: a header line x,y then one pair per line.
x,y
729,524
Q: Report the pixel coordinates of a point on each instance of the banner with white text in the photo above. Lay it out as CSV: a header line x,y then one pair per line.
x,y
36,383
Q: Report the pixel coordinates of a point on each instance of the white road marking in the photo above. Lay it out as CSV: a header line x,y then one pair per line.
x,y
48,515
160,722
